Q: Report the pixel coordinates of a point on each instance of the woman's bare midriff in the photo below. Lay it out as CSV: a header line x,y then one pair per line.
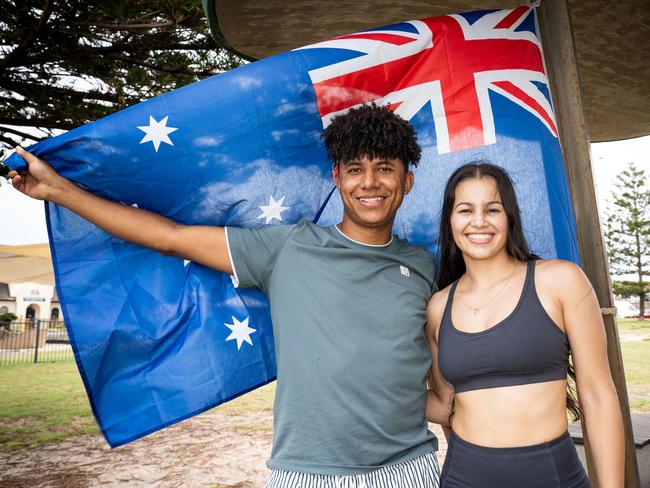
x,y
511,416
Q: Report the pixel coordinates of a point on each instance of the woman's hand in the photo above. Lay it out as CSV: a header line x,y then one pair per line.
x,y
439,408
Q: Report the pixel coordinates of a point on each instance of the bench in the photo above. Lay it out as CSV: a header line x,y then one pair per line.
x,y
641,431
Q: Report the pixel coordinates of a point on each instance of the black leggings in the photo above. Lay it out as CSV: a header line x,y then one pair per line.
x,y
552,464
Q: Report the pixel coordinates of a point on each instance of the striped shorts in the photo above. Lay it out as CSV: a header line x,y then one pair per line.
x,y
420,472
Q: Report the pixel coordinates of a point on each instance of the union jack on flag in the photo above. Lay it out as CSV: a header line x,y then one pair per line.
x,y
157,339
447,62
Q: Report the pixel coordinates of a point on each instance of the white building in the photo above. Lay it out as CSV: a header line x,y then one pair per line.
x,y
27,282
30,300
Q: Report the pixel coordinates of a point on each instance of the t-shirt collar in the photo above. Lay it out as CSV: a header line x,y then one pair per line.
x,y
363,243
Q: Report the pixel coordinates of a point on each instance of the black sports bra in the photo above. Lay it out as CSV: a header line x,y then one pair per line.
x,y
525,347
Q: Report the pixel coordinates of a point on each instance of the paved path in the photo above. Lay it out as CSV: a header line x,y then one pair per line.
x,y
210,450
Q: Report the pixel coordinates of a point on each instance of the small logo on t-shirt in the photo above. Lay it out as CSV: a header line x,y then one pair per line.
x,y
404,270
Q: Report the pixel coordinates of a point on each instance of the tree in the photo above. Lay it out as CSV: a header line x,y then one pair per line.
x,y
628,230
6,319
626,289
66,63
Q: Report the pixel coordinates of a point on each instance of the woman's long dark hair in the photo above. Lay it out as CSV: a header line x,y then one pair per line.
x,y
451,265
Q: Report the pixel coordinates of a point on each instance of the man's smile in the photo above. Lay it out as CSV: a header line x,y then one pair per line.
x,y
371,201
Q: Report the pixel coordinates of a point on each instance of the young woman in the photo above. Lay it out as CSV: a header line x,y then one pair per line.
x,y
501,329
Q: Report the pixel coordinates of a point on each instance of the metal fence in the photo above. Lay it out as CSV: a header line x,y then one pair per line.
x,y
34,341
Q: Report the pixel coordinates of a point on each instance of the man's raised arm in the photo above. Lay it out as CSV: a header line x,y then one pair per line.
x,y
201,244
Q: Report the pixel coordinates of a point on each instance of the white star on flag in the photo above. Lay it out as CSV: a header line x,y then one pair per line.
x,y
273,210
241,332
157,132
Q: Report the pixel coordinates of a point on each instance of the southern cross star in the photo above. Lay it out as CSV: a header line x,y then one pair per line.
x,y
273,210
157,132
241,332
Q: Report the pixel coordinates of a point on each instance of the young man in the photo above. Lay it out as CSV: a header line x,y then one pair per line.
x,y
347,304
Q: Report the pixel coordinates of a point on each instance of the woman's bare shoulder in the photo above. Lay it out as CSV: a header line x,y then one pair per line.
x,y
436,307
563,277
557,268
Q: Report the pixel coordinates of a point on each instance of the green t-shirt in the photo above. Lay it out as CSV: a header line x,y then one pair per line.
x,y
348,322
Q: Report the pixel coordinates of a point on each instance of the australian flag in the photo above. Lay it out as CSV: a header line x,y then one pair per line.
x,y
158,339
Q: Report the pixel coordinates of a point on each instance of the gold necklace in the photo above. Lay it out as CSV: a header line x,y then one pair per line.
x,y
476,310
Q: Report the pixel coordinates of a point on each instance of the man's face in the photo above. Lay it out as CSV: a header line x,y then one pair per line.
x,y
372,190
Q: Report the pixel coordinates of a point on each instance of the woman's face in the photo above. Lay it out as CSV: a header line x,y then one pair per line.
x,y
478,219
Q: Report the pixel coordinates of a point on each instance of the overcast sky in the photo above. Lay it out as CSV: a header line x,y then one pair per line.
x,y
22,220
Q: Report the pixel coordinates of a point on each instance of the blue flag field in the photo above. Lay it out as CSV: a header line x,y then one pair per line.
x,y
158,339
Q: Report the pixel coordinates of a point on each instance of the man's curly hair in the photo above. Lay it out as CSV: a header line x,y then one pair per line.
x,y
374,132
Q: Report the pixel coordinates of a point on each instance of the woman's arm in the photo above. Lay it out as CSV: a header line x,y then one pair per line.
x,y
441,397
584,327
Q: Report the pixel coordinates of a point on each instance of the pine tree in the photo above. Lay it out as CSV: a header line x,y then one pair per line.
x,y
628,230
66,63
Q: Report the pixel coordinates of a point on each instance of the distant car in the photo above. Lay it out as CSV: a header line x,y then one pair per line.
x,y
626,309
57,336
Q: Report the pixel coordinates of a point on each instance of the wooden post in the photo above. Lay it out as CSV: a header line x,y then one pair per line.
x,y
561,64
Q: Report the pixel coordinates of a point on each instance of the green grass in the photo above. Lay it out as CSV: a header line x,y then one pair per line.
x,y
260,400
23,358
636,360
42,403
633,326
